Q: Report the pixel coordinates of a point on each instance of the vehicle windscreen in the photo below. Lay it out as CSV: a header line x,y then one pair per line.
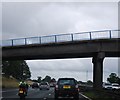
x,y
34,83
115,85
66,82
107,84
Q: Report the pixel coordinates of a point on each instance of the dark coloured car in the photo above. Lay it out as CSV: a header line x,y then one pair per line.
x,y
66,88
35,85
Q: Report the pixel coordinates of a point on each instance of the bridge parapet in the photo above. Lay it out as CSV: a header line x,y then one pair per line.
x,y
104,34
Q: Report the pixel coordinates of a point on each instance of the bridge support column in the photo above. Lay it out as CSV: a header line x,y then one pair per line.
x,y
98,70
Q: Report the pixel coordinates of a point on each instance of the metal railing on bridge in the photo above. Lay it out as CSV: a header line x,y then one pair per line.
x,y
105,34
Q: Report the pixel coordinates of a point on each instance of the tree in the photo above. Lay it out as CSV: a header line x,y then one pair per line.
x,y
113,78
26,71
17,69
39,79
53,80
47,79
89,82
35,80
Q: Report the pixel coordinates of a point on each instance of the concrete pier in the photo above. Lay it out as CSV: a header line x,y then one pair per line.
x,y
98,70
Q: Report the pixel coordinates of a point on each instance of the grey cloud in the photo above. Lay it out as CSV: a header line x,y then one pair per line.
x,y
77,68
111,64
36,19
73,65
58,74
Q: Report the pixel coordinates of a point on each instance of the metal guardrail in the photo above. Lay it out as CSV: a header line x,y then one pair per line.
x,y
105,34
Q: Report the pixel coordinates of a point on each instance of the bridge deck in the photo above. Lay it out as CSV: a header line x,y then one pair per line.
x,y
94,35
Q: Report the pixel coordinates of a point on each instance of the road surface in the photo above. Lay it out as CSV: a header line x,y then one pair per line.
x,y
33,94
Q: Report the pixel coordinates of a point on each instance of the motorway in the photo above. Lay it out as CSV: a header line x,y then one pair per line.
x,y
33,94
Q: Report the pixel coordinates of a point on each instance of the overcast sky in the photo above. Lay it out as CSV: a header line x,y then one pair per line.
x,y
21,20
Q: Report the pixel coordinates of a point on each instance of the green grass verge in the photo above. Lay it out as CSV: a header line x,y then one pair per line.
x,y
0,81
94,95
9,83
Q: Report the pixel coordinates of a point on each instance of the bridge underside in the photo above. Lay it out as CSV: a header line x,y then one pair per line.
x,y
61,56
77,49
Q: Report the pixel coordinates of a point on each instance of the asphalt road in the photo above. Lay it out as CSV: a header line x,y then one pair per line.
x,y
33,94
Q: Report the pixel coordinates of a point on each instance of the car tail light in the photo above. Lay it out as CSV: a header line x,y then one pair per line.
x,y
22,89
77,88
56,87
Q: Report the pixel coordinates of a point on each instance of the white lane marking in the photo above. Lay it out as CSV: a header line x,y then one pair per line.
x,y
9,90
45,98
85,96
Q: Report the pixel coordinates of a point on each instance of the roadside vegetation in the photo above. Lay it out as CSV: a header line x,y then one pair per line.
x,y
0,80
99,95
105,94
17,69
13,72
9,82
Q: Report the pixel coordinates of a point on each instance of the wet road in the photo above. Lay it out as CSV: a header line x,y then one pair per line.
x,y
33,94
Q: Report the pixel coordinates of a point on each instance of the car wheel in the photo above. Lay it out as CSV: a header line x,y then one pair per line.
x,y
76,97
56,97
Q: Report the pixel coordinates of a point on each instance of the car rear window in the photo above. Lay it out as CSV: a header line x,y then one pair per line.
x,y
107,84
34,83
66,82
43,83
115,85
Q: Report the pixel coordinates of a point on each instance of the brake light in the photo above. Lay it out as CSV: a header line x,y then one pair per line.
x,y
56,87
21,89
77,88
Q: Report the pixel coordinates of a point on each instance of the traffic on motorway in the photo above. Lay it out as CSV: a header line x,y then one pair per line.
x,y
109,86
64,88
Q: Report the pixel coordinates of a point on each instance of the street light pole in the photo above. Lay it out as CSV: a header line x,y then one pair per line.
x,y
86,75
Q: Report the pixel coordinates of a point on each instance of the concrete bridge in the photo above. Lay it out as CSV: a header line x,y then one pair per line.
x,y
98,48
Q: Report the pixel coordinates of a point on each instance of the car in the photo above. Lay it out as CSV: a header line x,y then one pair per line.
x,y
52,84
44,85
115,86
107,86
66,88
35,85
